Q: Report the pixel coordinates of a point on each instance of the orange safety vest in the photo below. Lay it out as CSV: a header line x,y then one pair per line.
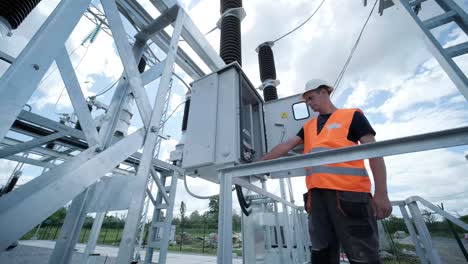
x,y
344,176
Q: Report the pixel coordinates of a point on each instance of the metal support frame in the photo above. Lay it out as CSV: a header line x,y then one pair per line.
x,y
93,237
70,232
151,120
225,220
414,236
287,225
418,229
76,96
36,58
58,186
230,175
279,240
157,226
435,140
424,233
100,152
444,55
268,229
18,148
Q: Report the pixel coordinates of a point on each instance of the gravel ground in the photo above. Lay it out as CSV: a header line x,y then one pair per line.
x,y
449,250
446,247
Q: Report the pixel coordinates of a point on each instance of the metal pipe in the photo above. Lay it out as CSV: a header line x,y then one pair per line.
x,y
429,141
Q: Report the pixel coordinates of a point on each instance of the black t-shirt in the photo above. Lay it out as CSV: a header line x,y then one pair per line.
x,y
360,126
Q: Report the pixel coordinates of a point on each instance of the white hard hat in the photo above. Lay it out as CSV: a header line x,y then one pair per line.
x,y
316,83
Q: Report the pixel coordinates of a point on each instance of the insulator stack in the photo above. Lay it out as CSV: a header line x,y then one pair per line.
x,y
15,11
231,45
266,63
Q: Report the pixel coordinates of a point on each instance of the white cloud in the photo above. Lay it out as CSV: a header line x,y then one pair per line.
x,y
361,95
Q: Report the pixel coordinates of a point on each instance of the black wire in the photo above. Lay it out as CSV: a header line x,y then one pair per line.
x,y
300,25
241,199
395,249
345,66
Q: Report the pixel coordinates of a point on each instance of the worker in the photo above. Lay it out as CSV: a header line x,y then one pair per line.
x,y
342,211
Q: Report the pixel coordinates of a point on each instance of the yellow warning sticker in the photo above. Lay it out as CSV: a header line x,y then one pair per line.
x,y
284,115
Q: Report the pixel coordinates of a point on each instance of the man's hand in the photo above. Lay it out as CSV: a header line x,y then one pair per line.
x,y
382,206
282,149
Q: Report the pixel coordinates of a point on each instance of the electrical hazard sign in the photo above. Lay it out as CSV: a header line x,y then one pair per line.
x,y
284,115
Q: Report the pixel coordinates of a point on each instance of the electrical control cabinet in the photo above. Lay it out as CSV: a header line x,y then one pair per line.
x,y
284,118
225,123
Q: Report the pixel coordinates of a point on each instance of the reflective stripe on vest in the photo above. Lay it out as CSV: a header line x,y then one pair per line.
x,y
334,170
337,171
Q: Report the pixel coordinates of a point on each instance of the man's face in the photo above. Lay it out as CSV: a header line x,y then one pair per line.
x,y
314,99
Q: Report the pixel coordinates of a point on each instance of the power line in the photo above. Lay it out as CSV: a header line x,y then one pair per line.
x,y
206,34
173,111
345,66
51,72
74,69
448,195
182,80
300,25
105,90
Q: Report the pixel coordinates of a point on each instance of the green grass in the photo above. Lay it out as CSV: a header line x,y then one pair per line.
x,y
112,236
107,236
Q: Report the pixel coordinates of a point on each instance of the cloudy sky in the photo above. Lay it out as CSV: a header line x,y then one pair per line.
x,y
393,78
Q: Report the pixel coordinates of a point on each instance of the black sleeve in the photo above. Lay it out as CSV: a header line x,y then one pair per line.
x,y
301,134
360,127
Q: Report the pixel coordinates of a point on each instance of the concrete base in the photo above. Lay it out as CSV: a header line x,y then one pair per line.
x,y
39,251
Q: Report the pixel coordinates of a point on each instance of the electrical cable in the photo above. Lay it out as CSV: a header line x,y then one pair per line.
x,y
173,111
105,90
180,79
196,195
242,203
300,25
206,34
350,56
199,196
74,69
51,72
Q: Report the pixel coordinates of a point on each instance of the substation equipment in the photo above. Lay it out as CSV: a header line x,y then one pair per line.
x,y
227,125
